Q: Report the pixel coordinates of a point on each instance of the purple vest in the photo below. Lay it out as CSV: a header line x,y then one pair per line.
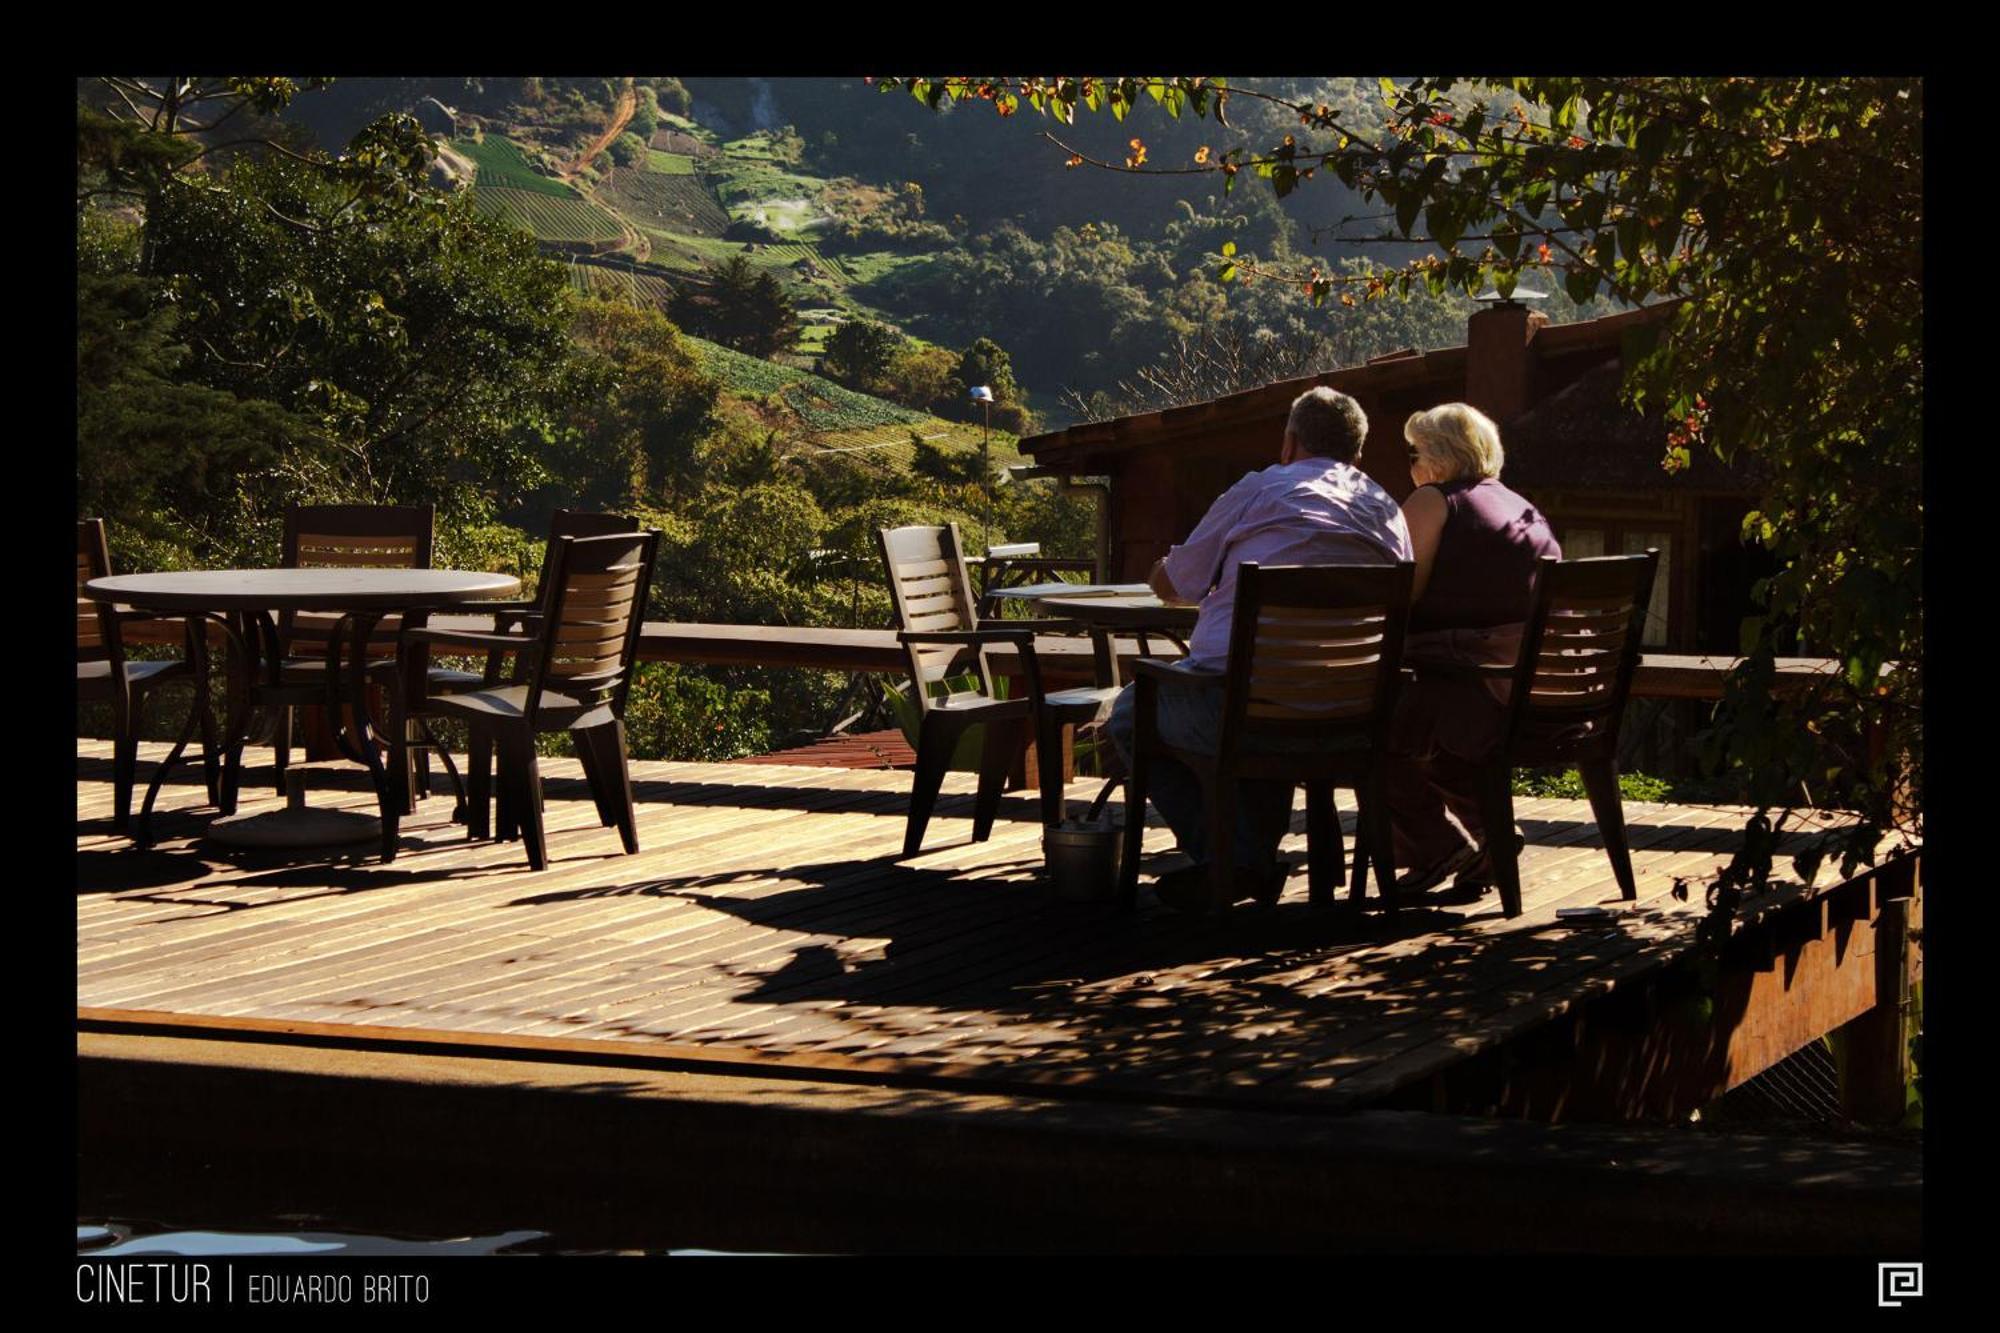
x,y
1485,568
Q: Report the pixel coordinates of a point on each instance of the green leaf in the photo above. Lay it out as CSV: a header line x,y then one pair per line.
x,y
1580,284
1229,247
1443,225
1407,208
1227,273
1631,234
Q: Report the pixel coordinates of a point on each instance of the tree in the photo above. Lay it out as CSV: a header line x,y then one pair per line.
x,y
642,405
1738,198
305,328
986,363
740,306
628,149
859,352
645,113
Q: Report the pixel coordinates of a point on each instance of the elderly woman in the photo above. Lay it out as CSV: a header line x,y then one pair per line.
x,y
1476,545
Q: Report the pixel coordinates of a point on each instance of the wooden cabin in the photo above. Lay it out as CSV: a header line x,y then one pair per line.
x,y
1591,464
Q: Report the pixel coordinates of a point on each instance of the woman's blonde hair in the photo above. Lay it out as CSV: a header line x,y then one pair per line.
x,y
1459,438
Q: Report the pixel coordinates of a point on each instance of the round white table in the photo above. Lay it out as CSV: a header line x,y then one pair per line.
x,y
245,603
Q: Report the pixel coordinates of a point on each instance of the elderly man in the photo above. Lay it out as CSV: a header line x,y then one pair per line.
x,y
1314,508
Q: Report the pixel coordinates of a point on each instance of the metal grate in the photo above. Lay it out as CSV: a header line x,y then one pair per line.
x,y
1804,1086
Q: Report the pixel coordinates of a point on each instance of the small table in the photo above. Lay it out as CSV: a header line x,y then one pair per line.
x,y
1107,610
244,603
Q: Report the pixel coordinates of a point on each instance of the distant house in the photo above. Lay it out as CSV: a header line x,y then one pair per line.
x,y
1589,463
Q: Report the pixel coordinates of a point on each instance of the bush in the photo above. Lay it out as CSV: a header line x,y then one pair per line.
x,y
1568,785
628,150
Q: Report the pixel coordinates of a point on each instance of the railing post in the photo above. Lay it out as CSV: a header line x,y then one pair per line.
x,y
1874,1048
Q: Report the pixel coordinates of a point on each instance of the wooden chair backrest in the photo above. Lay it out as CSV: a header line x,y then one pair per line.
x,y
93,561
349,537
593,613
1315,650
577,523
931,592
1582,642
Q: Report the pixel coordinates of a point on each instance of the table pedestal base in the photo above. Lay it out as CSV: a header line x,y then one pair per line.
x,y
297,825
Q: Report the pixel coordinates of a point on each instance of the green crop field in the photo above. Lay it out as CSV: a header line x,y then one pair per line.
x,y
679,250
877,264
550,218
745,374
822,405
737,180
665,203
892,448
826,406
501,165
669,164
640,289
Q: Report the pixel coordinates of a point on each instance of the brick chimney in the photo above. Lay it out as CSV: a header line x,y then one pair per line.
x,y
1499,361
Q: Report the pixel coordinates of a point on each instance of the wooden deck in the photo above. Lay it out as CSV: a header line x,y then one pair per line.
x,y
766,922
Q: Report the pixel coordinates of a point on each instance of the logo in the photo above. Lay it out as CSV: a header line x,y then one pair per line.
x,y
1893,1282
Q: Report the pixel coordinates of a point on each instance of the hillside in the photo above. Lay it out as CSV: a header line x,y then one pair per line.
x,y
948,227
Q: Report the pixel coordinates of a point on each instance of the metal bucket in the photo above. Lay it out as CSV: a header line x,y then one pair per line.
x,y
1083,858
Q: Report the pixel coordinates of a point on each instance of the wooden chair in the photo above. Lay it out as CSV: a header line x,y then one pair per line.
x,y
1567,700
103,675
339,537
521,618
938,626
573,676
1315,656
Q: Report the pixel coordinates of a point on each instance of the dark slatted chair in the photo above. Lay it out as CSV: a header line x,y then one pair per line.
x,y
1315,658
104,675
340,537
938,627
521,618
573,676
1567,700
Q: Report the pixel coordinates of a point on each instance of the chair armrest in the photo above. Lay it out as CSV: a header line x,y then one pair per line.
x,y
1159,668
450,637
1037,626
967,636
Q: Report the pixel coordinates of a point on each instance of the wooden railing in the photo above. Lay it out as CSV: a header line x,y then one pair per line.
x,y
1659,676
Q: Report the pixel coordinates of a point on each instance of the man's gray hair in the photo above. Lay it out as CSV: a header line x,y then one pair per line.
x,y
1328,424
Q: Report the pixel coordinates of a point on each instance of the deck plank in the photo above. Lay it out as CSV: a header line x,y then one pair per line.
x,y
770,910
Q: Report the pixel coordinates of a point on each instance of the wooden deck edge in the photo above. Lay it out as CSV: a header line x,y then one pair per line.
x,y
758,1163
667,1057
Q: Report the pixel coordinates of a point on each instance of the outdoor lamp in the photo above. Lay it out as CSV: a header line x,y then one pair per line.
x,y
981,394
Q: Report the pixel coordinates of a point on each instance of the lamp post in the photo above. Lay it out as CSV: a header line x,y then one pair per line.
x,y
983,395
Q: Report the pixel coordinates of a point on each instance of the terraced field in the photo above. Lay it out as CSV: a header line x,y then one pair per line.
x,y
745,374
827,407
502,166
679,250
823,406
669,164
642,289
793,253
561,220
892,447
668,203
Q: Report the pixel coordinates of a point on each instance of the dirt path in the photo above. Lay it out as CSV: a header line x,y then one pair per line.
x,y
621,115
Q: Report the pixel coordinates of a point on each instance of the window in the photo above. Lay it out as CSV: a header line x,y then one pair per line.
x,y
1583,542
1656,606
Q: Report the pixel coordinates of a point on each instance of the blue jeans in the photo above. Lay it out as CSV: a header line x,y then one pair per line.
x,y
1190,718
